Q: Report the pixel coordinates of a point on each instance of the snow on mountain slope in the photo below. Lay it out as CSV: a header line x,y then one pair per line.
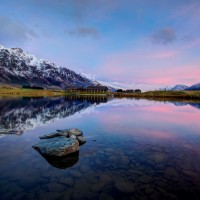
x,y
97,82
175,88
110,86
18,67
179,87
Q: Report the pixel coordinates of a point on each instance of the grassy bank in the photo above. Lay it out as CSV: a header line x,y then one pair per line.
x,y
16,91
7,90
12,91
162,95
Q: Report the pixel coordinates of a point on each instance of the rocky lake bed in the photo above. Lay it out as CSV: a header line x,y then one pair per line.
x,y
128,155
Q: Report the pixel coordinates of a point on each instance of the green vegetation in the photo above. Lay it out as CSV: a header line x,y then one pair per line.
x,y
12,90
129,91
7,90
162,95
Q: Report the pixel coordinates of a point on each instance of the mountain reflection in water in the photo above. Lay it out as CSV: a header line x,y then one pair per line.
x,y
23,114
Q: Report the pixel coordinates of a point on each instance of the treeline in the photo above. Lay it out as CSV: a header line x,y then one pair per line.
x,y
32,87
129,91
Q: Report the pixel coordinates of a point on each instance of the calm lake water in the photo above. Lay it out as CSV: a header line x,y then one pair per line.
x,y
136,149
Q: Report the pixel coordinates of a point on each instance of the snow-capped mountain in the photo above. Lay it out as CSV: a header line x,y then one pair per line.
x,y
175,88
18,67
179,87
194,87
167,88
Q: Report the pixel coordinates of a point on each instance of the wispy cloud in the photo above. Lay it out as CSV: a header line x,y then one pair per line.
x,y
80,10
14,31
164,36
189,12
83,32
163,55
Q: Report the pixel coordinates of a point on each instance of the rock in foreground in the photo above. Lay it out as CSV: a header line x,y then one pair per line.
x,y
75,132
66,133
81,140
59,146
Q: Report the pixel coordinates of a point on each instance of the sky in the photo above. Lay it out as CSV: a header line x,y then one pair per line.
x,y
146,44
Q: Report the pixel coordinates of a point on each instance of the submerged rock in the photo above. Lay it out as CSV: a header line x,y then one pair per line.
x,y
125,186
63,162
59,146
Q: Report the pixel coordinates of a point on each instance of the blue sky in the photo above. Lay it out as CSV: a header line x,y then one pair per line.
x,y
131,43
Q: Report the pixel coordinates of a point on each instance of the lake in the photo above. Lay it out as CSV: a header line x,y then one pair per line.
x,y
136,149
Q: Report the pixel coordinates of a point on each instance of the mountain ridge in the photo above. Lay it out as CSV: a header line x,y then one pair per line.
x,y
194,87
178,87
20,68
181,87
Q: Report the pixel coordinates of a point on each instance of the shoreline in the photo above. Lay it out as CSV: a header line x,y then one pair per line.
x,y
151,95
176,95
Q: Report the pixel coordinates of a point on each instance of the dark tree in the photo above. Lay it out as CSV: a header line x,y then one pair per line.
x,y
138,91
129,91
32,87
119,90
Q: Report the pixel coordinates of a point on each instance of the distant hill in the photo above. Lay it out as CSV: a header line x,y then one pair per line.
x,y
181,87
194,87
20,68
175,88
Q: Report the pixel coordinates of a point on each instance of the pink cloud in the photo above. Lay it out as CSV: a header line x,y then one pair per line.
x,y
185,74
193,44
157,67
165,54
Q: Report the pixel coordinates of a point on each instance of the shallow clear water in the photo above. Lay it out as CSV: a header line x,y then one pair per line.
x,y
136,149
